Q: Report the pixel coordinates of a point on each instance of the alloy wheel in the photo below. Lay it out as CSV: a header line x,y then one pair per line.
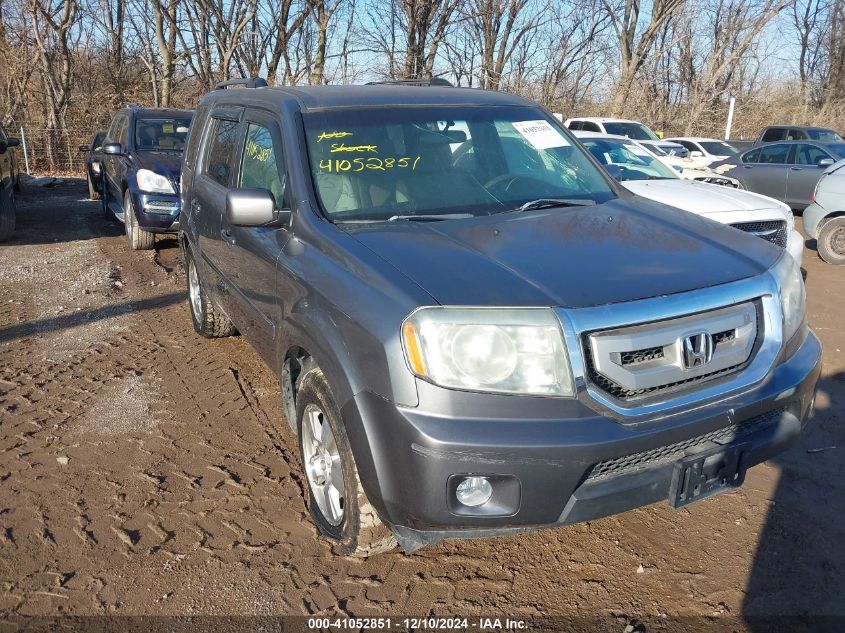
x,y
322,464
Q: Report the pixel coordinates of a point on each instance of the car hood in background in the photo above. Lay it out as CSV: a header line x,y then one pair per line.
x,y
166,164
701,198
623,250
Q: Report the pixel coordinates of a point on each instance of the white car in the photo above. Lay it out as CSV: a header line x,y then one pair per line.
x,y
625,127
704,151
642,173
824,219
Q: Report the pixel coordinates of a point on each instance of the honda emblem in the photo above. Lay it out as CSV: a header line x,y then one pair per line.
x,y
698,350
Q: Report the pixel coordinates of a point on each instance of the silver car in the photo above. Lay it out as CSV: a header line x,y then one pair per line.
x,y
824,219
786,171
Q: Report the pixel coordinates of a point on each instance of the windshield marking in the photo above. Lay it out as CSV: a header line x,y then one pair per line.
x,y
329,135
375,164
343,147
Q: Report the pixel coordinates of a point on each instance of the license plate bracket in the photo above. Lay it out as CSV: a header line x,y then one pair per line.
x,y
708,473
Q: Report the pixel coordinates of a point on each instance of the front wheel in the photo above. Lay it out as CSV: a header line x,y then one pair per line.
x,y
336,499
831,242
138,238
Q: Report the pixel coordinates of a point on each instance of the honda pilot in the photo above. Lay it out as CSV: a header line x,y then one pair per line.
x,y
471,341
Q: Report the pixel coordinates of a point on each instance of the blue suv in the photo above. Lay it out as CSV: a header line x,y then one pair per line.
x,y
142,157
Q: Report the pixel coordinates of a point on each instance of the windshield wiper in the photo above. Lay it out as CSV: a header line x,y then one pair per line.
x,y
430,217
548,203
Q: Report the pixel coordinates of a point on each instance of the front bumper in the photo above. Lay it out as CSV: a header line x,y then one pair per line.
x,y
812,218
566,462
157,213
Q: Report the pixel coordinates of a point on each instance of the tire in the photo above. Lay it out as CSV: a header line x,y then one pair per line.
x,y
207,319
336,500
831,241
93,194
138,238
7,215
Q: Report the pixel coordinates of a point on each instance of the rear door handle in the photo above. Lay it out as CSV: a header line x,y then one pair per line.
x,y
796,168
227,237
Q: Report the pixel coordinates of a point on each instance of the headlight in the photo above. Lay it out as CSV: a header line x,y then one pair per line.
x,y
153,182
492,350
95,167
792,294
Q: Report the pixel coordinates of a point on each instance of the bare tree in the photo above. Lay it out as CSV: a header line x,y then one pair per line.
x,y
501,26
635,42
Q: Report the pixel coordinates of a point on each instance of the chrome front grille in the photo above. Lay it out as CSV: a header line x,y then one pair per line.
x,y
773,231
648,360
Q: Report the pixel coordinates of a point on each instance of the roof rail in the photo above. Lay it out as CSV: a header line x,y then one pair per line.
x,y
432,81
246,82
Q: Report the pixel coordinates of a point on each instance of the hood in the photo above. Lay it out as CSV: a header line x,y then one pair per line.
x,y
622,250
169,165
699,197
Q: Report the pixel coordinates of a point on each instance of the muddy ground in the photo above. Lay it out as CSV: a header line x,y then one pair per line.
x,y
144,470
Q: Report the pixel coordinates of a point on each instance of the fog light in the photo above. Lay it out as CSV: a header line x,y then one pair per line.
x,y
474,491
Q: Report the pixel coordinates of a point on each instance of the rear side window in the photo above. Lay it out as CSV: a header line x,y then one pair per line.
x,y
194,134
220,149
260,164
774,134
773,154
589,126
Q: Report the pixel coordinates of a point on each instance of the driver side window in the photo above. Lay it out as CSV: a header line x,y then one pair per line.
x,y
260,165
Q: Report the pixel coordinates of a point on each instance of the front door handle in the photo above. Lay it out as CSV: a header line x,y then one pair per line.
x,y
227,237
746,166
796,168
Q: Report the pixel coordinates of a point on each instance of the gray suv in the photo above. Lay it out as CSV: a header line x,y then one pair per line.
x,y
471,341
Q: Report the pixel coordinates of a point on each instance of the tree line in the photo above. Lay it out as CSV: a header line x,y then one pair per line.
x,y
68,64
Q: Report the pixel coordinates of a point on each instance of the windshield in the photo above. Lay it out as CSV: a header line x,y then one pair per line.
x,y
838,149
161,134
634,162
631,129
380,163
718,148
821,134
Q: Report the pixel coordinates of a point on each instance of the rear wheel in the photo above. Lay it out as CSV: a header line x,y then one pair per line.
x,y
93,194
208,320
138,238
336,499
831,241
7,214
104,198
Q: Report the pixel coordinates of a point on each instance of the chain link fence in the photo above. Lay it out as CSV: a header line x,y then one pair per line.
x,y
53,152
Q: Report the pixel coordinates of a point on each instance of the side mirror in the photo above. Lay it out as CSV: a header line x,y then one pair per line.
x,y
252,207
12,142
824,162
696,154
112,149
614,171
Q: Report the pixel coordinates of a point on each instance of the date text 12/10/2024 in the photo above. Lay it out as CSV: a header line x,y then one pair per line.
x,y
419,624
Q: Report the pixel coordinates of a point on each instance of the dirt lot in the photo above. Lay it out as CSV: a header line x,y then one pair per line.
x,y
144,470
